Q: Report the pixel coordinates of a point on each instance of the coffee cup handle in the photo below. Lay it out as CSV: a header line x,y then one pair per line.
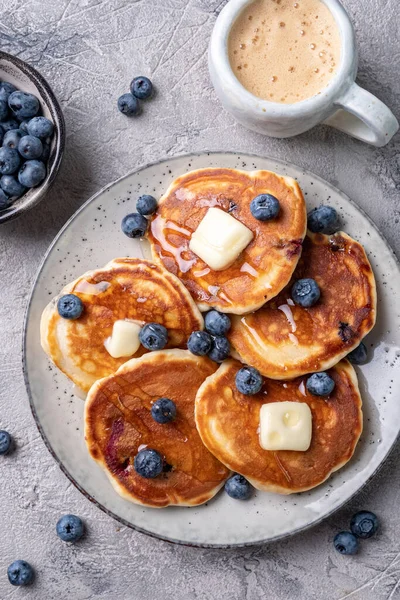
x,y
363,116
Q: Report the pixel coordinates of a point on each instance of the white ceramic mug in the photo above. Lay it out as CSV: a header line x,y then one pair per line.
x,y
342,104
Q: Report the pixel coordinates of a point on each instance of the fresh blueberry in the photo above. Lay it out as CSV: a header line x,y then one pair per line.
x,y
200,343
364,524
128,105
320,384
217,323
70,306
141,87
146,205
346,543
46,151
153,336
5,442
238,487
265,207
20,573
148,463
359,355
10,124
6,89
2,132
32,173
4,200
29,147
163,410
323,219
40,127
23,105
249,381
9,161
134,225
70,528
12,138
3,110
220,349
11,186
23,126
305,292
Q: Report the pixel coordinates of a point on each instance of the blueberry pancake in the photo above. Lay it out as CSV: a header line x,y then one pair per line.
x,y
231,426
126,289
245,261
283,340
119,424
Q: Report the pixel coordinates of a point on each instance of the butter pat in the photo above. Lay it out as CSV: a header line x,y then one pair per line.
x,y
124,340
285,426
219,239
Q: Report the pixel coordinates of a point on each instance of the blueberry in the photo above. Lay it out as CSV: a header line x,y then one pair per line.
x,y
20,573
364,524
29,147
359,355
40,127
6,89
148,463
134,225
23,105
4,200
128,105
70,528
12,138
146,205
217,323
320,384
10,124
11,186
141,87
46,152
346,543
153,336
23,126
220,349
3,110
238,487
323,219
32,173
5,442
249,381
265,207
2,132
305,292
163,410
9,161
70,306
200,343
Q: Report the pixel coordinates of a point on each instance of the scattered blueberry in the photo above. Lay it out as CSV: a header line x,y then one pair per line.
x,y
238,487
5,442
305,292
6,89
70,306
3,110
346,543
217,323
40,127
163,410
23,105
200,343
364,524
141,87
9,161
24,125
323,219
220,349
10,124
128,105
11,186
20,573
265,207
12,138
134,225
153,336
148,463
359,355
5,201
249,381
320,384
70,528
32,173
29,147
146,205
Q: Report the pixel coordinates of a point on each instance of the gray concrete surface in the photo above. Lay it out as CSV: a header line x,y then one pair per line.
x,y
89,50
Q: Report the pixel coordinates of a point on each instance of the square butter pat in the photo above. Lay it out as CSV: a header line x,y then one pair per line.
x,y
285,426
124,340
219,239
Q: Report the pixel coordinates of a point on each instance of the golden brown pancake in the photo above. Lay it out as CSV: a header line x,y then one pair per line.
x,y
283,340
228,424
118,423
126,288
263,268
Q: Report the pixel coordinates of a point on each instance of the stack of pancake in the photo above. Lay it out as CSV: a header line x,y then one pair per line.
x,y
216,430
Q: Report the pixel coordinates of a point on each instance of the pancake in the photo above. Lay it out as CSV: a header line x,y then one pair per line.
x,y
126,288
228,424
118,423
283,340
266,264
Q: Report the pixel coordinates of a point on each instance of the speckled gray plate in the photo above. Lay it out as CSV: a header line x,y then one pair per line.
x,y
90,239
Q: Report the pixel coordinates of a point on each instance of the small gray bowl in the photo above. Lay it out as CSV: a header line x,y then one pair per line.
x,y
27,79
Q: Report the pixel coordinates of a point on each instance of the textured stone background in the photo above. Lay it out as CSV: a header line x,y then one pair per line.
x,y
89,50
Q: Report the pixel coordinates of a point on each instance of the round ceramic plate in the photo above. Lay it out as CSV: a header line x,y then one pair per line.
x,y
89,240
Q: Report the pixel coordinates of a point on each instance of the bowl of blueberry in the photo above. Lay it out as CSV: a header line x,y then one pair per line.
x,y
32,137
